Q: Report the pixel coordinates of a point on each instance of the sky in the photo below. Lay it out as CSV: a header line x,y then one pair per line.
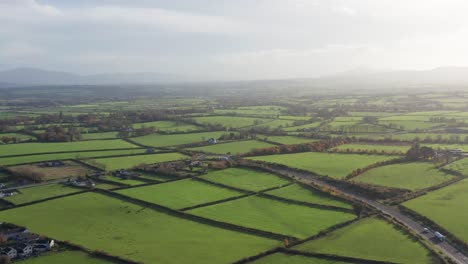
x,y
233,40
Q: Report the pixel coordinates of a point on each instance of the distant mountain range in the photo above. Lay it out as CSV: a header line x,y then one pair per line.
x,y
34,76
357,78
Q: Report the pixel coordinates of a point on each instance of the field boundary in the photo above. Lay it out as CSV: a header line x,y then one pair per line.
x,y
311,205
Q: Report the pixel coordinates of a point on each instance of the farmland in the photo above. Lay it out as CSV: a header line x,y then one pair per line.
x,y
32,148
132,161
158,140
410,176
374,147
30,194
280,258
384,236
274,216
245,179
303,194
69,257
130,231
447,207
234,147
323,163
180,194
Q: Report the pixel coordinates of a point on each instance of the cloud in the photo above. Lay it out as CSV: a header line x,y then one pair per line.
x,y
344,10
19,49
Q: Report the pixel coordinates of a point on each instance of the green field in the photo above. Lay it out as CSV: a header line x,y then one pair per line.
x,y
447,207
123,181
69,155
30,194
374,147
271,215
286,140
127,230
303,194
158,140
168,126
410,176
281,258
460,166
302,127
412,125
234,147
333,165
31,148
370,239
132,161
68,257
103,135
232,121
246,179
180,194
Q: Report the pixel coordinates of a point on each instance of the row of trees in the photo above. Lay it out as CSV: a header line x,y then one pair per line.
x,y
60,134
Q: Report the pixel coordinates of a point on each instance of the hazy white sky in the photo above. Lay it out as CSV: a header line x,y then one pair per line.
x,y
236,39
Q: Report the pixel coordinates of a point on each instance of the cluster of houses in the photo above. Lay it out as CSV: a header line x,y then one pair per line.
x,y
7,193
20,243
53,163
81,183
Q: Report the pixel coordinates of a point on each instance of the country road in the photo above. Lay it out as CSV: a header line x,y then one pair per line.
x,y
446,248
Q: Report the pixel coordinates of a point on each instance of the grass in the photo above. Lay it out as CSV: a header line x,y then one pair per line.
x,y
375,147
246,179
411,176
71,155
271,215
460,166
132,161
127,230
447,207
158,140
234,147
281,258
168,126
156,176
31,148
330,164
370,239
412,125
232,121
35,193
302,127
303,194
103,135
286,140
180,194
124,181
69,257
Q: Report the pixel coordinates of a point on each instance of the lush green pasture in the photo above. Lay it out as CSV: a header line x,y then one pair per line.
x,y
303,194
431,136
168,126
69,155
271,215
412,176
330,164
158,140
124,181
103,135
127,230
68,257
156,176
276,123
370,239
374,147
286,140
246,179
378,114
281,258
460,166
463,147
348,118
447,207
30,194
180,194
412,125
234,147
291,117
302,127
132,161
31,148
232,121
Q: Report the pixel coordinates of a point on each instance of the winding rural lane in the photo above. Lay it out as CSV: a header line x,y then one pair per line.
x,y
445,247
